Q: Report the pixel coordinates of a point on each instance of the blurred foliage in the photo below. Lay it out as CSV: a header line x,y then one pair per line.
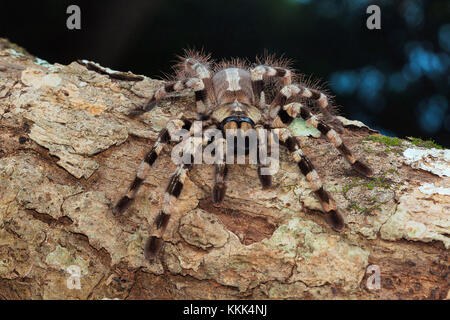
x,y
395,79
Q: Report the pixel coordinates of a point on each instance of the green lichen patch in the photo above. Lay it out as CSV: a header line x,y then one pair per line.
x,y
300,127
371,200
370,150
380,182
354,206
428,144
376,183
388,141
292,188
390,144
397,142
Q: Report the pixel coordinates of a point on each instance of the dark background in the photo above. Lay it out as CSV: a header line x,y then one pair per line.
x,y
395,79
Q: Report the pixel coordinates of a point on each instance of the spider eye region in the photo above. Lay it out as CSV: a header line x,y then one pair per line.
x,y
238,127
237,122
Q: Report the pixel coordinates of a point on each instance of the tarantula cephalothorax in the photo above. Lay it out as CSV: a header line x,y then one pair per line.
x,y
231,95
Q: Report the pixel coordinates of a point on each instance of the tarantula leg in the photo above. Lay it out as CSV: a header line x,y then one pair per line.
x,y
220,187
265,179
297,90
289,112
220,170
165,136
322,101
160,93
332,216
173,190
143,109
204,97
264,160
257,76
154,242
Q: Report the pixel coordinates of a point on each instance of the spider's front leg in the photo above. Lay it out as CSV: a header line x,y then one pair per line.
x,y
265,161
166,135
220,187
220,171
297,90
331,214
285,114
154,242
173,190
257,76
204,97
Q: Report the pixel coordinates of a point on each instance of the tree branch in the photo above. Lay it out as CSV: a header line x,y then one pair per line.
x,y
69,151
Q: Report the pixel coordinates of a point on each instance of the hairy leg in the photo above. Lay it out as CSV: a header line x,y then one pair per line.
x,y
197,65
154,242
173,190
257,75
265,161
288,112
297,90
193,83
165,136
331,214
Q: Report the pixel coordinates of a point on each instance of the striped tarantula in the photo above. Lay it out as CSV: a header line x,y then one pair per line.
x,y
232,95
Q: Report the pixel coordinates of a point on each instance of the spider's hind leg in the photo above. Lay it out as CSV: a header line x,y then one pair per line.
x,y
160,93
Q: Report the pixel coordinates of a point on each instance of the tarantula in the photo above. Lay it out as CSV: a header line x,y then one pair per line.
x,y
231,95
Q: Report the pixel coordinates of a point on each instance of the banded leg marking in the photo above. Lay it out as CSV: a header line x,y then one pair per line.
x,y
293,90
173,190
264,159
290,111
257,75
193,83
220,186
164,138
331,214
204,97
220,172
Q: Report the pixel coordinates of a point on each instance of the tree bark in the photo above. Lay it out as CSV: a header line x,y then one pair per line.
x,y
68,152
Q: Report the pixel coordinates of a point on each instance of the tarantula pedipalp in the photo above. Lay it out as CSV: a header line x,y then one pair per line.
x,y
232,96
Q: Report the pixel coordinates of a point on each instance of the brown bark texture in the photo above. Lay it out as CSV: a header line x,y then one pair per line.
x,y
68,152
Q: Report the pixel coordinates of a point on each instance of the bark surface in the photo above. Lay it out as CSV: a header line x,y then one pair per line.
x,y
68,152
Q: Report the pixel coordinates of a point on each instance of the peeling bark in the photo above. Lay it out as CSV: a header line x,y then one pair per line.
x,y
68,152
